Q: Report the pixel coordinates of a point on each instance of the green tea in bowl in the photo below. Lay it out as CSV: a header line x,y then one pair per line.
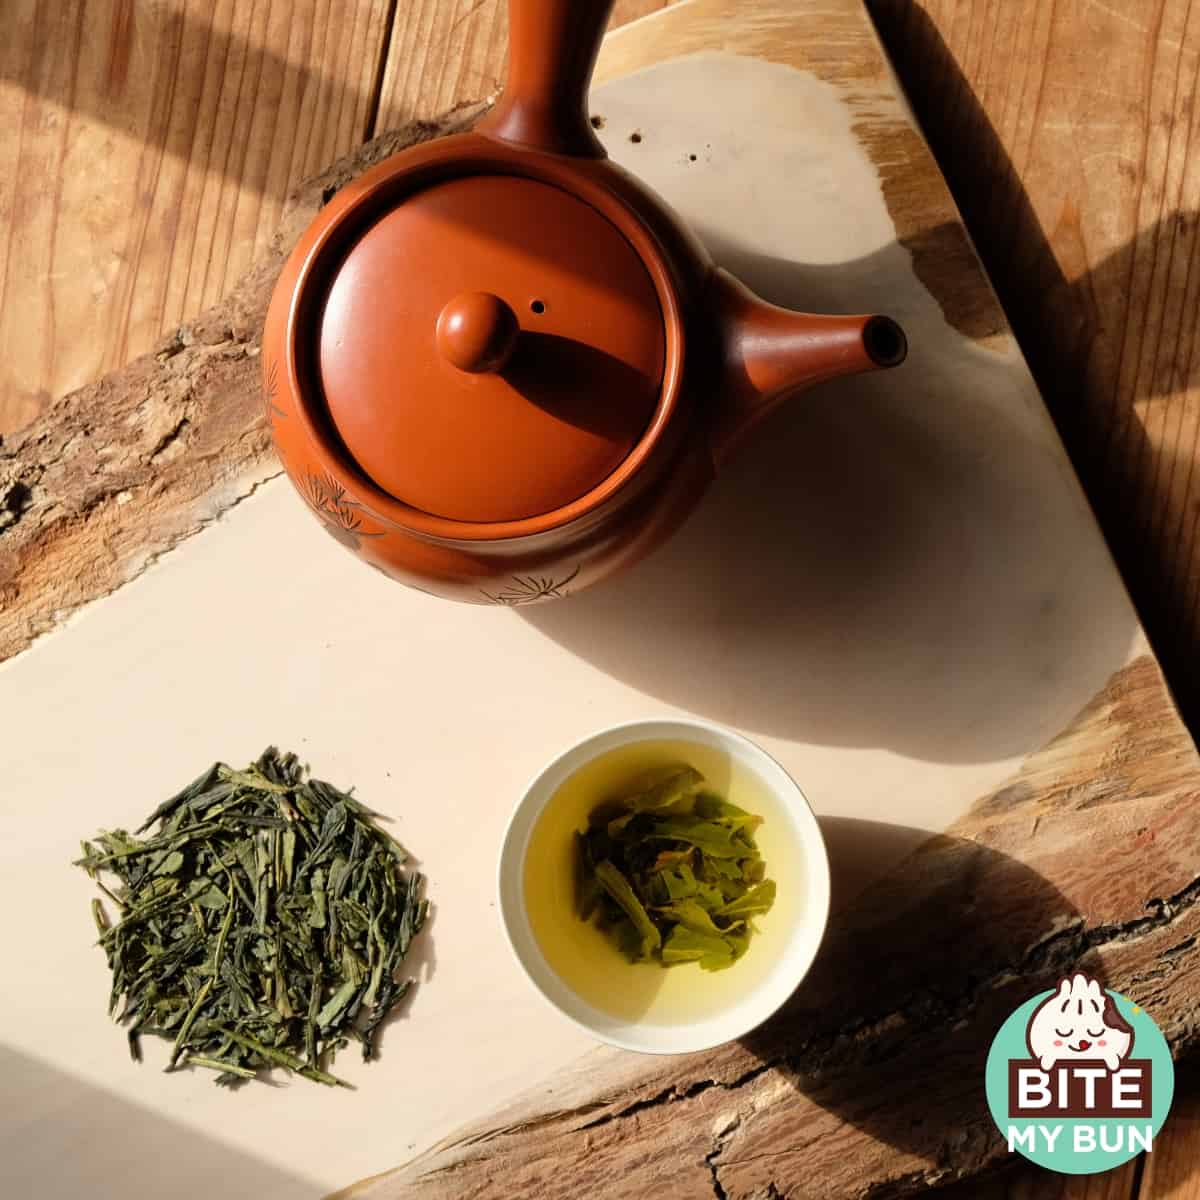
x,y
665,885
672,872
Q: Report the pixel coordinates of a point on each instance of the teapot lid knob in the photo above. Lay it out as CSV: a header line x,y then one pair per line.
x,y
477,332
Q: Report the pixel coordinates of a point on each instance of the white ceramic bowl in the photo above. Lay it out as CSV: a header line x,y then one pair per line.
x,y
648,1007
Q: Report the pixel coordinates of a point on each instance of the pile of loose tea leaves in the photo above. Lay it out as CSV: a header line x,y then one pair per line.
x,y
263,925
672,872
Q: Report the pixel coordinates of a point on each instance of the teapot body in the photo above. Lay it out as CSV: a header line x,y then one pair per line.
x,y
516,562
511,571
535,456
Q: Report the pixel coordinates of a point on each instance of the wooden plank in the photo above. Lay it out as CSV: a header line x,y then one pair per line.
x,y
108,478
146,152
442,54
1172,1170
1067,132
1082,199
1026,1182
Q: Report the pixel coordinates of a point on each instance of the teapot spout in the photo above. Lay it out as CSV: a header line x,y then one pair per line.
x,y
768,353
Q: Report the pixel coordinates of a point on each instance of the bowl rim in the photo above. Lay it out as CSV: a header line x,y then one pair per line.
x,y
815,853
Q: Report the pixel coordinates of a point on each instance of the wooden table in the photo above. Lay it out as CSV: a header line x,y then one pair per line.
x,y
1067,134
188,199
1081,189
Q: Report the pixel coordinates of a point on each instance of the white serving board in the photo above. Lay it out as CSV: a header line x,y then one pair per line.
x,y
898,590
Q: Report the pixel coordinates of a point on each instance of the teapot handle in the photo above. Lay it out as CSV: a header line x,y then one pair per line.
x,y
552,48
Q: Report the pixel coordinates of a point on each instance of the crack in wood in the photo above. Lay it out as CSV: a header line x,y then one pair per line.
x,y
1068,945
16,500
720,1141
663,1097
711,1159
540,1122
169,438
672,1094
1179,947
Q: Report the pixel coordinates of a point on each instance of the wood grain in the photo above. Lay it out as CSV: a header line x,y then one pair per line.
x,y
1172,1170
1082,199
147,148
1067,133
145,154
106,479
442,54
1025,1182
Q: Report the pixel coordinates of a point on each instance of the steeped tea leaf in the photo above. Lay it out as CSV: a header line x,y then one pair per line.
x,y
587,888
668,788
617,886
756,901
691,914
712,951
679,883
713,840
713,808
672,872
262,925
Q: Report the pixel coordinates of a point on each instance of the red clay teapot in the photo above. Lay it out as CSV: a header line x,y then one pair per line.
x,y
498,368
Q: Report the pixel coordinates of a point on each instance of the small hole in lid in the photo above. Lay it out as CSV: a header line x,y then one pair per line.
x,y
538,306
635,137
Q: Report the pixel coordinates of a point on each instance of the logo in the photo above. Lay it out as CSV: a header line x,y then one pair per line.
x,y
1079,1079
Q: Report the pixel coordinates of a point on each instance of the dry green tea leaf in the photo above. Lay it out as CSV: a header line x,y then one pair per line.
x,y
263,925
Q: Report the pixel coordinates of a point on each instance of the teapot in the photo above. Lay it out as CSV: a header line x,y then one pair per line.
x,y
498,368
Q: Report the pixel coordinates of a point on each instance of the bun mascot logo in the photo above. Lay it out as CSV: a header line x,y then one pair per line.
x,y
1064,1086
1080,1021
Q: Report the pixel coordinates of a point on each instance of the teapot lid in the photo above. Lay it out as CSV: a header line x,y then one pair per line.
x,y
490,349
